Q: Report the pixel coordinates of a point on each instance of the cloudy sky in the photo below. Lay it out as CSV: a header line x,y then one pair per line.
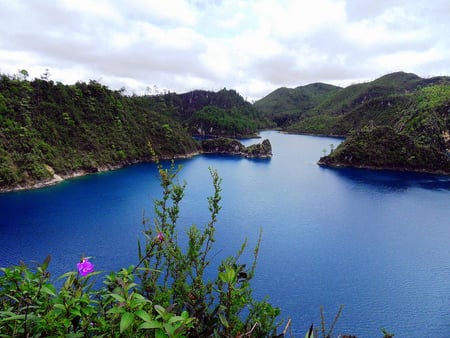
x,y
253,46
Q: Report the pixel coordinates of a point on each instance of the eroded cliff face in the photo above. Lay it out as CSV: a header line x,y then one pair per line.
x,y
233,147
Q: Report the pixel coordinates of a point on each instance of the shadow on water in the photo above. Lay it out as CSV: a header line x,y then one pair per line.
x,y
393,180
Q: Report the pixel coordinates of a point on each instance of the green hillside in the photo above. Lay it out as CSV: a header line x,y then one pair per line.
x,y
301,110
409,132
207,113
415,110
285,105
49,128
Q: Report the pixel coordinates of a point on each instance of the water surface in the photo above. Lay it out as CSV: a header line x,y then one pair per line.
x,y
376,241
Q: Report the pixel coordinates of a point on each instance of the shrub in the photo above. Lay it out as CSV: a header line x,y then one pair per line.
x,y
165,295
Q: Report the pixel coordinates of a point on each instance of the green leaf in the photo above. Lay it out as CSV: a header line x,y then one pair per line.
x,y
115,310
160,334
143,315
161,311
46,262
224,321
60,307
75,312
151,325
125,321
15,317
49,290
66,275
175,319
117,297
170,329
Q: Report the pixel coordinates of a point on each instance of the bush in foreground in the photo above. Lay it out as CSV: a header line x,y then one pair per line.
x,y
166,294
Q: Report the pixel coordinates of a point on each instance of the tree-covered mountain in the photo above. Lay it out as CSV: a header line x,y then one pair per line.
x,y
415,110
49,128
206,113
409,131
315,108
285,105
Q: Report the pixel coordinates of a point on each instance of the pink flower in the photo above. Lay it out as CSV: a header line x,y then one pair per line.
x,y
160,236
85,267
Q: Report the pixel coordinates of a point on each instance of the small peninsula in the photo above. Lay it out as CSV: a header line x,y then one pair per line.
x,y
383,148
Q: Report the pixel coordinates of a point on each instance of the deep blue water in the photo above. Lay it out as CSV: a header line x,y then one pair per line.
x,y
376,241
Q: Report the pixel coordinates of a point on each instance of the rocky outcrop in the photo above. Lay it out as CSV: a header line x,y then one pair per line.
x,y
227,146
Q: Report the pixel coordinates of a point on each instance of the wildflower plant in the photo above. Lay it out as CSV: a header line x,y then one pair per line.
x,y
166,294
85,267
173,273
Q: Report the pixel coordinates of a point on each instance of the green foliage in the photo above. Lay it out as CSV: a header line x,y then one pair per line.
x,y
414,110
173,272
316,109
384,148
234,147
319,124
30,305
81,127
284,106
213,121
165,295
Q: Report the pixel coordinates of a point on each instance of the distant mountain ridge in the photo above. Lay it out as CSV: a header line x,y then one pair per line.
x,y
323,99
399,108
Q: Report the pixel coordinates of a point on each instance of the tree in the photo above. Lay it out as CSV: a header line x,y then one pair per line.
x,y
24,74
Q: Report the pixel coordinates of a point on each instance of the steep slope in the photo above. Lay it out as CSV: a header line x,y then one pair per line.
x,y
285,105
398,121
49,128
207,113
408,132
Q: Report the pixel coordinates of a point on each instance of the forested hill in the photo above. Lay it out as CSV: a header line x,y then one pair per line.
x,y
285,106
49,128
206,113
313,108
399,121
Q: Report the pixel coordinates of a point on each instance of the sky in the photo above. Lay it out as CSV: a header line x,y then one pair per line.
x,y
252,46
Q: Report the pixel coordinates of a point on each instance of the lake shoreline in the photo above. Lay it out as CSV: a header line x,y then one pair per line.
x,y
395,169
59,178
222,149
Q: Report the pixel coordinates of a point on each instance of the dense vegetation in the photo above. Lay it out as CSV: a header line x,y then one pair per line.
x,y
223,113
211,120
49,128
285,106
417,137
415,109
234,147
384,148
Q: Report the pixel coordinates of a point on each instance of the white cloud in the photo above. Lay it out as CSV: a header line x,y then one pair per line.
x,y
253,46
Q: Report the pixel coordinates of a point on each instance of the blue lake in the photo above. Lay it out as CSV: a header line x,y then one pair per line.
x,y
376,241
